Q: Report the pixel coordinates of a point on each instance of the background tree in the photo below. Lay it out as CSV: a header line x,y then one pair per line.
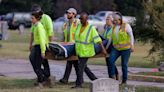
x,y
155,9
151,26
25,6
129,7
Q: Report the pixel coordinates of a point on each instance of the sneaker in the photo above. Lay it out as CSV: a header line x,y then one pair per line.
x,y
63,81
113,77
39,86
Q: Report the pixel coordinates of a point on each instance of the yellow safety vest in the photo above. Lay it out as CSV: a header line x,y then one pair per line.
x,y
72,31
107,33
84,41
122,40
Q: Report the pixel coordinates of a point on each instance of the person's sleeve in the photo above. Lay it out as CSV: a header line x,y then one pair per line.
x,y
49,26
42,38
32,28
95,36
109,42
63,31
130,33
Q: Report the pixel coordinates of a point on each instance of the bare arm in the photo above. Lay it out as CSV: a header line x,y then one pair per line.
x,y
31,41
109,43
103,49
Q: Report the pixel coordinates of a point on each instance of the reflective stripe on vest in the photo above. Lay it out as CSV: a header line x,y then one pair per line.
x,y
122,45
70,37
86,37
107,31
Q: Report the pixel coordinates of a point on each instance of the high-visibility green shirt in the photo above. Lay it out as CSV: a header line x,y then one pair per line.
x,y
84,41
48,25
39,36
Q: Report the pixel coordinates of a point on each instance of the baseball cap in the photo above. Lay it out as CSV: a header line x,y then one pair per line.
x,y
72,10
36,8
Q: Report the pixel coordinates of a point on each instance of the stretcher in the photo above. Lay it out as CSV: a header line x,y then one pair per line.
x,y
66,51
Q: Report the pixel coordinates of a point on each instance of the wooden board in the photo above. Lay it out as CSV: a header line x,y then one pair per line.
x,y
49,55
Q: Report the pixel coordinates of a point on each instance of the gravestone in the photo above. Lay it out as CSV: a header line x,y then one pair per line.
x,y
4,30
104,85
161,67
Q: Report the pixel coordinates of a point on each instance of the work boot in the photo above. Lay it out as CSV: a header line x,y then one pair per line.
x,y
36,83
77,86
117,76
63,81
48,83
123,82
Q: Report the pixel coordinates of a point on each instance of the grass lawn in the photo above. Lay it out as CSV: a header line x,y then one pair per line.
x,y
26,85
16,47
152,73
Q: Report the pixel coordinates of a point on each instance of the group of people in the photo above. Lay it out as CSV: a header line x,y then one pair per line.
x,y
84,35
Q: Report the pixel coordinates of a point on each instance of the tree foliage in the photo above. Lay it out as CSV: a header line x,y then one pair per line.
x,y
25,5
56,8
155,9
151,25
129,7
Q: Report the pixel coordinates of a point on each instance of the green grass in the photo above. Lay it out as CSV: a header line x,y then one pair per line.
x,y
152,73
140,89
16,47
26,85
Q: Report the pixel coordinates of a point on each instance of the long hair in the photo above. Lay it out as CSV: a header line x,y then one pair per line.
x,y
120,15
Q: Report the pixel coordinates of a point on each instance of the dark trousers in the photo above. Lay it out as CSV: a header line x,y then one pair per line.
x,y
75,64
82,66
69,68
37,61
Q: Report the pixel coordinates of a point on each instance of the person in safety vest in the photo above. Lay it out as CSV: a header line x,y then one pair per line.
x,y
107,35
85,37
39,38
69,29
123,44
46,21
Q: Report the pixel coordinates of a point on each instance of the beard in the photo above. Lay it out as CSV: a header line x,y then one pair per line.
x,y
70,17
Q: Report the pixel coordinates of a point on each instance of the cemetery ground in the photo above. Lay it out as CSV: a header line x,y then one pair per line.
x,y
16,48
